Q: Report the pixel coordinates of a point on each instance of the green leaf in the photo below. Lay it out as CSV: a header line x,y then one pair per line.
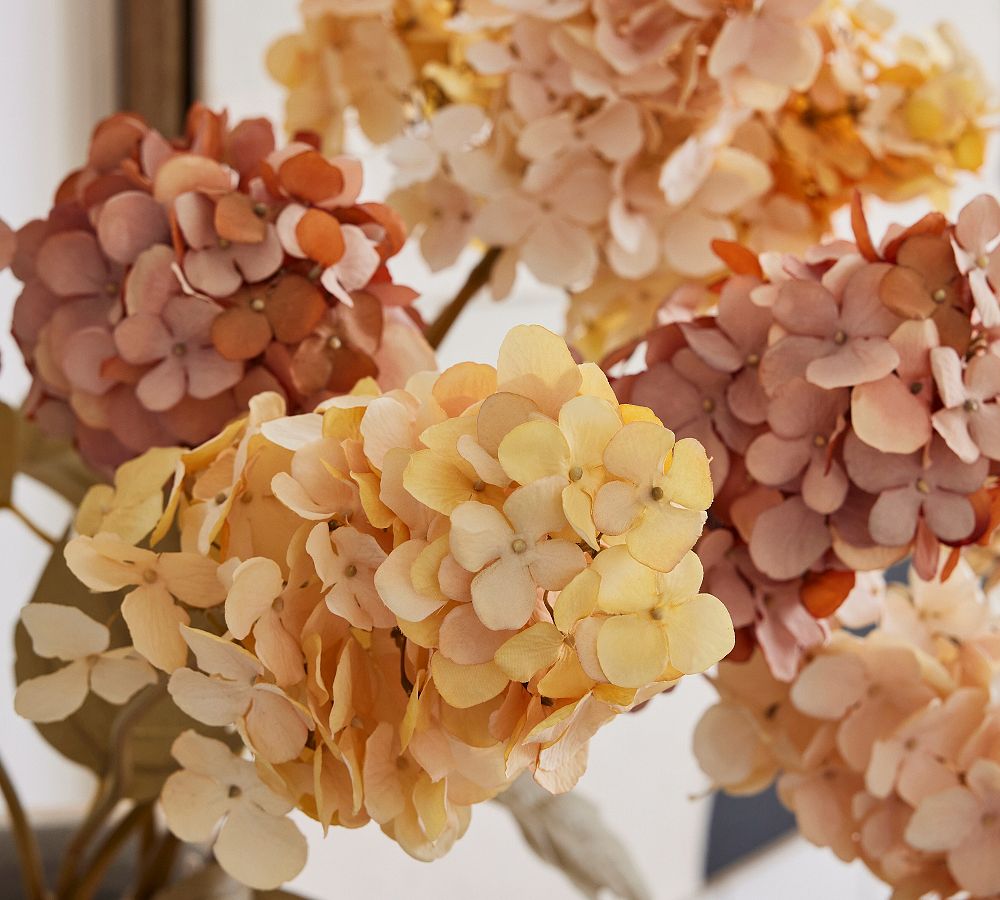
x,y
53,462
85,736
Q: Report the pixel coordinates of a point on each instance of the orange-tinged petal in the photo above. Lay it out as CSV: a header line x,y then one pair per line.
x,y
256,585
536,364
320,237
236,220
154,622
309,176
294,307
240,333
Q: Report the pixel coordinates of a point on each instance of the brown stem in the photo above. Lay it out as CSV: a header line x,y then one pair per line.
x,y
109,791
24,838
92,876
31,526
478,278
156,870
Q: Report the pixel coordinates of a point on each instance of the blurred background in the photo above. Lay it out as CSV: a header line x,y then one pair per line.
x,y
66,63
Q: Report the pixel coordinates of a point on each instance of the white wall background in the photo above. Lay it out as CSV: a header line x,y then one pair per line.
x,y
56,79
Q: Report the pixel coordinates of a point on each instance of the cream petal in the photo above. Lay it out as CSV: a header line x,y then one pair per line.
x,y
257,583
117,678
664,534
829,686
53,697
259,850
63,632
213,701
275,728
555,564
193,804
943,821
632,650
504,594
699,633
479,535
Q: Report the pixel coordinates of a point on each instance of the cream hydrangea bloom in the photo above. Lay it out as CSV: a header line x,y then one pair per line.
x,y
257,843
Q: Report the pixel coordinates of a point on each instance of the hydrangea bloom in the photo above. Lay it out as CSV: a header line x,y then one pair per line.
x,y
604,144
171,282
413,596
884,746
847,397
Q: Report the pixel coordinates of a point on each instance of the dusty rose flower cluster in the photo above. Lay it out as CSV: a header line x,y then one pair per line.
x,y
604,144
405,599
847,398
172,281
886,747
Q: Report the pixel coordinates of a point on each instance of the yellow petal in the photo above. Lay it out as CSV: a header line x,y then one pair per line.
x,y
369,486
689,480
498,416
632,413
626,584
616,507
683,580
436,482
537,364
534,450
424,572
578,508
566,679
466,686
527,653
577,600
632,650
459,387
431,805
596,384
395,586
639,451
699,633
664,534
589,424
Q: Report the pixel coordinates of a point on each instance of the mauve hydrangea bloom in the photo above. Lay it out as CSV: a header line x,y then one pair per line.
x,y
171,281
884,746
609,142
426,592
848,399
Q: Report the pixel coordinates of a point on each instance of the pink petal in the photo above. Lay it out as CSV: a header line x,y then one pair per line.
x,y
258,262
209,374
86,352
787,539
164,386
858,361
978,224
893,519
129,223
887,416
71,263
143,339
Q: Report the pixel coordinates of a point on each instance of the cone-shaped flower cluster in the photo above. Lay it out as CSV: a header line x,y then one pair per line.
x,y
171,282
605,143
887,746
848,399
418,594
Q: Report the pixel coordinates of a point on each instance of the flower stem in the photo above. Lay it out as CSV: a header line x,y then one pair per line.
x,y
91,878
31,526
156,868
478,278
109,791
24,839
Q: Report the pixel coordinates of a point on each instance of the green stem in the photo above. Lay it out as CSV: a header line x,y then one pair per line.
x,y
27,846
478,278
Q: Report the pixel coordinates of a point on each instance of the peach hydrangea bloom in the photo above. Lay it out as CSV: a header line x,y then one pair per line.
x,y
419,602
884,746
597,139
171,282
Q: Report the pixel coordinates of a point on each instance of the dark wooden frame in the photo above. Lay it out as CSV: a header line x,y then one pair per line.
x,y
157,60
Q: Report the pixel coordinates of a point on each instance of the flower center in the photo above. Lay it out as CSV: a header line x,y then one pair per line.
x,y
940,295
916,388
223,244
334,342
656,493
923,486
351,570
518,545
179,350
220,498
478,485
970,405
840,338
260,209
576,473
753,359
149,576
234,792
708,404
820,440
989,819
111,288
656,613
983,261
257,304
